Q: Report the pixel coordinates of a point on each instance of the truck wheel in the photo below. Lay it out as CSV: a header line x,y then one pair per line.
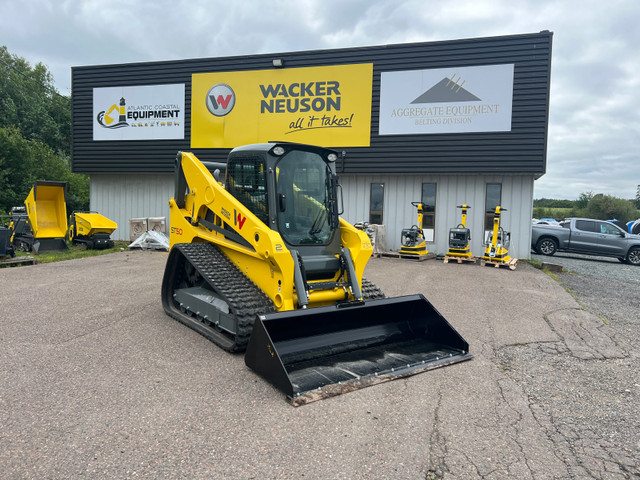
x,y
633,257
546,246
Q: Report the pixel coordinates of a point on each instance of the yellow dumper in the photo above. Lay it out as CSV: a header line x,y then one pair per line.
x,y
91,229
45,225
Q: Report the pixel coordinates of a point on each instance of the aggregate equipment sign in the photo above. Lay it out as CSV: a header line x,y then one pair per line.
x,y
154,112
449,100
328,106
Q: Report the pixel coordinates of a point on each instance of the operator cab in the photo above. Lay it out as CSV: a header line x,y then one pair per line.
x,y
293,189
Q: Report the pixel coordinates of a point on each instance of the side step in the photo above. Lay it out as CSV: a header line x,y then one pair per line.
x,y
322,352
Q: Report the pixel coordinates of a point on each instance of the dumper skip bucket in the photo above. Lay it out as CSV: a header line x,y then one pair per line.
x,y
47,212
321,352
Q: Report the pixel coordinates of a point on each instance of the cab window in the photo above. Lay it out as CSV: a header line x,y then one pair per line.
x,y
246,182
304,199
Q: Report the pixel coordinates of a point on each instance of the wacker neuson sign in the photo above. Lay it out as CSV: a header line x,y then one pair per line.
x,y
153,112
447,100
329,106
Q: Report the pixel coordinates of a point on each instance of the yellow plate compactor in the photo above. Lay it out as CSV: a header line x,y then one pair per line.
x,y
412,240
265,264
460,237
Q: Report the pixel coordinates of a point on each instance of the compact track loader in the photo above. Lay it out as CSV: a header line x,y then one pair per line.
x,y
91,229
412,241
265,263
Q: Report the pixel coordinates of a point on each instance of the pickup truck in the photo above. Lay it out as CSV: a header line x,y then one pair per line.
x,y
586,236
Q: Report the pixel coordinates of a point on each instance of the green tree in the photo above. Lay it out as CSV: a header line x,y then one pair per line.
x,y
553,203
29,102
35,161
35,134
607,207
583,200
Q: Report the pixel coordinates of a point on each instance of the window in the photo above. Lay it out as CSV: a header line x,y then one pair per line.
x,y
376,203
609,229
492,199
246,182
304,199
429,210
586,225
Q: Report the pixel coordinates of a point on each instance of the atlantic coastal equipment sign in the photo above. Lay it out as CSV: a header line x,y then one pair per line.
x,y
328,106
448,100
154,112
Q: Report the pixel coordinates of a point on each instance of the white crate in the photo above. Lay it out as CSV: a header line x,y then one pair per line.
x,y
157,224
137,226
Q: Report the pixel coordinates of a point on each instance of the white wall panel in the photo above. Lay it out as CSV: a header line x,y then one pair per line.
x,y
452,190
122,197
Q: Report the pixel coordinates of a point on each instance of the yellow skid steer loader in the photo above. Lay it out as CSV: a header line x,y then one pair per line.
x,y
265,264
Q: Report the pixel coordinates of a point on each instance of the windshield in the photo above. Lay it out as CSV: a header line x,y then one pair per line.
x,y
303,188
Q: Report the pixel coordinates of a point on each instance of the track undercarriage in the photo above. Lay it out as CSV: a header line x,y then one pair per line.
x,y
205,291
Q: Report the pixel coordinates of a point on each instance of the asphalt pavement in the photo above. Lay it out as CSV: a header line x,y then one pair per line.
x,y
97,382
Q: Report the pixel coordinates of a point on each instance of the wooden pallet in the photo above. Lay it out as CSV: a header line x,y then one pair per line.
x,y
511,264
17,261
460,259
415,258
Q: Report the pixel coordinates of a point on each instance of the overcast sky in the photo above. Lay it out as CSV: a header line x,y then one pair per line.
x,y
594,125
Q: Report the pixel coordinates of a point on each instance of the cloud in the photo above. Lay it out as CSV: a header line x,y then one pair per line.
x,y
594,139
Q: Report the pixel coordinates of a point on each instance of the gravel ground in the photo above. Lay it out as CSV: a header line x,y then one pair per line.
x,y
602,440
601,267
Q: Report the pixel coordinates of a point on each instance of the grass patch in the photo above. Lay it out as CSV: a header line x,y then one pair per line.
x,y
534,263
551,274
537,264
75,251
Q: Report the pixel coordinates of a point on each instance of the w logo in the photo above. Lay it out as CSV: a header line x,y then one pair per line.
x,y
220,99
238,219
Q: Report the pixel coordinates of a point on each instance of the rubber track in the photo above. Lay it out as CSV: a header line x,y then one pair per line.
x,y
244,298
370,291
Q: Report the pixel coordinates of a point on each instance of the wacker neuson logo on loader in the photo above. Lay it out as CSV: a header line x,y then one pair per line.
x,y
141,113
455,100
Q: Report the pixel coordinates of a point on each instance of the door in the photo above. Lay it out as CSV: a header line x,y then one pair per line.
x,y
612,240
586,237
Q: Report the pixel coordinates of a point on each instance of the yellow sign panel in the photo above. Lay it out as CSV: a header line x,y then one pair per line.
x,y
328,106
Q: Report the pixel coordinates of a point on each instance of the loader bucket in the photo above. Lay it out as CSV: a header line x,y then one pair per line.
x,y
325,351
